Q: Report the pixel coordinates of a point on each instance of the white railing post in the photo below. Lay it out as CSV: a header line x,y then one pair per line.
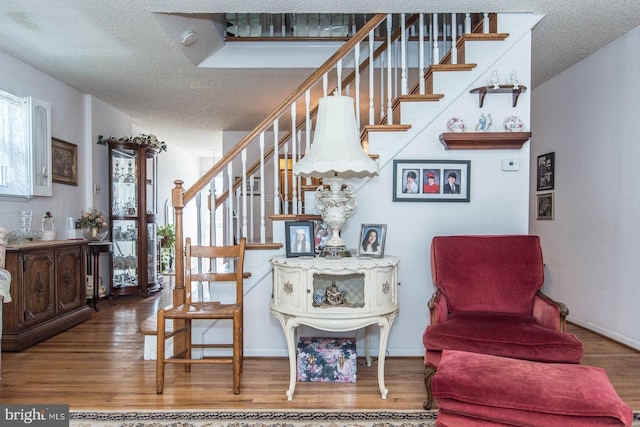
x,y
436,49
389,75
294,157
263,237
421,68
285,190
485,23
307,104
467,23
403,56
371,78
454,44
230,226
357,84
339,76
243,193
276,168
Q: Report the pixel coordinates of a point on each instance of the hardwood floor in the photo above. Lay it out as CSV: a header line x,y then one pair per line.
x,y
99,365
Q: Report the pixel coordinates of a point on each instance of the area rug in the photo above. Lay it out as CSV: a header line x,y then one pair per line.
x,y
205,418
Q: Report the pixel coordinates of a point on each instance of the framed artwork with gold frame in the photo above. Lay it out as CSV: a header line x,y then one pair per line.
x,y
64,164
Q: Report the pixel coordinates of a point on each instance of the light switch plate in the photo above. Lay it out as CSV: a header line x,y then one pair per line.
x,y
510,165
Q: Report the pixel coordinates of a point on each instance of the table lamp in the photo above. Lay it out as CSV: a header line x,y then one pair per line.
x,y
336,155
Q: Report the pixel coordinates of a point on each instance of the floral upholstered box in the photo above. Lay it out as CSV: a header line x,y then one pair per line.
x,y
326,360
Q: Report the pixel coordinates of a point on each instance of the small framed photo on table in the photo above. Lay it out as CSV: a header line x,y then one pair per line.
x,y
299,238
371,243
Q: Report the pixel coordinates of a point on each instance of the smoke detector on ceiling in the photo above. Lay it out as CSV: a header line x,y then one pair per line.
x,y
189,38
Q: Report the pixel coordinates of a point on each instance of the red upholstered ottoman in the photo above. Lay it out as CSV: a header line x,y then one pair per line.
x,y
480,390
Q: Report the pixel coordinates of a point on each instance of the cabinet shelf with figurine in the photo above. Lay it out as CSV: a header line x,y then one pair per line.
x,y
133,208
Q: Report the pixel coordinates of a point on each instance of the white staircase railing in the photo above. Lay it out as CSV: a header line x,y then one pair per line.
x,y
374,71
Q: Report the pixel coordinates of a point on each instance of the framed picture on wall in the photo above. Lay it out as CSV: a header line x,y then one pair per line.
x,y
64,164
545,171
431,180
544,206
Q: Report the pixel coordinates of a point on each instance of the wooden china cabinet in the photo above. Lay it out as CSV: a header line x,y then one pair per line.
x,y
132,211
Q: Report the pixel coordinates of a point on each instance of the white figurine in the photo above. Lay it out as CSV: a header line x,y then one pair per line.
x,y
487,125
482,122
494,79
513,80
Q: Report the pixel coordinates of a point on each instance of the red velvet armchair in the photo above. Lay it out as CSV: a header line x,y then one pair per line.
x,y
488,301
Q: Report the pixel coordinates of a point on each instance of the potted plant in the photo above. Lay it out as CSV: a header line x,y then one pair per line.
x,y
167,235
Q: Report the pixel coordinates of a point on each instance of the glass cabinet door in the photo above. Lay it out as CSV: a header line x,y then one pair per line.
x,y
133,211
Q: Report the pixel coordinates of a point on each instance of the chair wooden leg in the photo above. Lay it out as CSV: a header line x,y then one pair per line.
x,y
187,340
160,343
429,372
237,350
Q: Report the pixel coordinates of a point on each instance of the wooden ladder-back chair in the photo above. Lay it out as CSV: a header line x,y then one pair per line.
x,y
233,256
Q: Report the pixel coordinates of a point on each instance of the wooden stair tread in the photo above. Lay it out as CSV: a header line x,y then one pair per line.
x,y
386,128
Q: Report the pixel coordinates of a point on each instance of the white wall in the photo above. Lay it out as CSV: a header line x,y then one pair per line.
x,y
588,116
68,118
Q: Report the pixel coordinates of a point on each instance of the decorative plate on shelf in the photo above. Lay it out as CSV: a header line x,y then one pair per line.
x,y
456,124
513,124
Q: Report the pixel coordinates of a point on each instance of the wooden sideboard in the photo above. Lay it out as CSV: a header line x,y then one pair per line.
x,y
48,291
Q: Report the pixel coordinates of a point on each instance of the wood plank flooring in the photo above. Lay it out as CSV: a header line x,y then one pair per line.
x,y
99,365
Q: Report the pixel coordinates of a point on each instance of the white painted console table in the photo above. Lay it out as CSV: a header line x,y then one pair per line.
x,y
367,294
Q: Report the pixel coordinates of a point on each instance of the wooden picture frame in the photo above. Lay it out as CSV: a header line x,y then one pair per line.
x,y
429,180
64,162
303,232
377,251
546,172
545,206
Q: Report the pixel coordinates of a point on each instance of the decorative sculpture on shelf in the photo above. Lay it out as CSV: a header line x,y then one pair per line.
x,y
494,80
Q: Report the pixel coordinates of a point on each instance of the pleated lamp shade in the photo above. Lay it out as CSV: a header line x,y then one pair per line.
x,y
336,149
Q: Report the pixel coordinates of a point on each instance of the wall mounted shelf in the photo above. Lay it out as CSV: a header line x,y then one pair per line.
x,y
484,90
484,140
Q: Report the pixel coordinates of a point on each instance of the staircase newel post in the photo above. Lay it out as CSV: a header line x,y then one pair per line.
x,y
177,200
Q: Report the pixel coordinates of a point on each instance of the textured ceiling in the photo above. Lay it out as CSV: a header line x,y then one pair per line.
x,y
128,52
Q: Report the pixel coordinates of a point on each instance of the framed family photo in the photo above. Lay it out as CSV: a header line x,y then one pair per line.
x,y
546,165
299,238
545,206
431,180
64,164
371,243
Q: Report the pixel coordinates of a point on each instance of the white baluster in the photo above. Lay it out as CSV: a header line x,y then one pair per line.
x,y
262,193
307,104
230,225
454,44
389,75
276,169
371,78
403,55
436,49
243,185
485,23
357,84
467,23
294,156
421,68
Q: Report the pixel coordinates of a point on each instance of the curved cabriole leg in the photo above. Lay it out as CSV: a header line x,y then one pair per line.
x,y
429,372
